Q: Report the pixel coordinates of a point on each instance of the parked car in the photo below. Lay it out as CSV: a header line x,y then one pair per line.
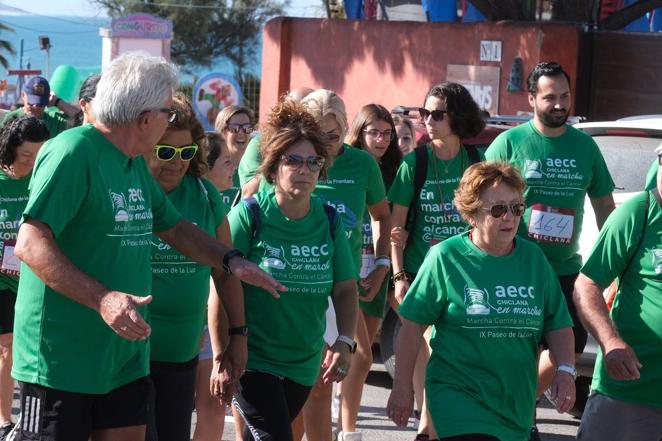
x,y
628,146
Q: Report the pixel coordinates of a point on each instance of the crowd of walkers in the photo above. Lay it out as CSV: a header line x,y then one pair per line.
x,y
150,269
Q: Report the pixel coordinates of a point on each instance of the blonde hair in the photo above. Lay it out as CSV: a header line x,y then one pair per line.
x,y
323,102
228,112
479,177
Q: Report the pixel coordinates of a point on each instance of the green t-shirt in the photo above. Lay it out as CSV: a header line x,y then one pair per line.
x,y
251,161
286,334
483,370
228,196
637,310
651,176
13,198
55,120
180,286
559,172
102,208
437,219
353,182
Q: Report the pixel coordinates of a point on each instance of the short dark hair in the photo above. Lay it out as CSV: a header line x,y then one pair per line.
x,y
544,69
465,115
369,114
17,131
87,92
215,146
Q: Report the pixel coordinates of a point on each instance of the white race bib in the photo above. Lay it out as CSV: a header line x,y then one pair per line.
x,y
550,224
367,262
10,265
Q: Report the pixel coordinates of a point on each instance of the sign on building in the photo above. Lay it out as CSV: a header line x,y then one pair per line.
x,y
481,81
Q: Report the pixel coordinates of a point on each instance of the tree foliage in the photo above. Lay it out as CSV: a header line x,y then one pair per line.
x,y
5,47
207,30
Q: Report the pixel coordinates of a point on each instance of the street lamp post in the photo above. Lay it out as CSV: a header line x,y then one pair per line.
x,y
45,45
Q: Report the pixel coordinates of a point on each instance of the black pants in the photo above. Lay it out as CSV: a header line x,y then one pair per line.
x,y
269,403
172,402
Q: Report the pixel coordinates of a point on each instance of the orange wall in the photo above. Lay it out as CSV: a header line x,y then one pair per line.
x,y
395,63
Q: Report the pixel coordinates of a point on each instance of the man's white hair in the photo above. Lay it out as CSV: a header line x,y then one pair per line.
x,y
133,83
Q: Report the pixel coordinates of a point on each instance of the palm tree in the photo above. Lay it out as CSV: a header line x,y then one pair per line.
x,y
5,47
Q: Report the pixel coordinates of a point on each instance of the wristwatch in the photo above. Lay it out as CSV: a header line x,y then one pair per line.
x,y
348,341
239,330
229,255
568,369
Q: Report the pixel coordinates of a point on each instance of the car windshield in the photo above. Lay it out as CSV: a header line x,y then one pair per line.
x,y
628,159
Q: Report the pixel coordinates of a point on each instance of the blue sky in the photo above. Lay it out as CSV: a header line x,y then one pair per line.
x,y
302,8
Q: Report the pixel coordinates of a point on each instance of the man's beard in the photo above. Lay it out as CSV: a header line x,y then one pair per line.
x,y
553,119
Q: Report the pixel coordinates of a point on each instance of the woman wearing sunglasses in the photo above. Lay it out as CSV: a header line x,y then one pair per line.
x,y
353,186
489,315
235,124
180,288
373,131
429,217
292,235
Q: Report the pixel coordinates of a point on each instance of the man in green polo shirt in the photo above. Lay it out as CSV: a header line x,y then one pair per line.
x,y
626,398
38,101
81,351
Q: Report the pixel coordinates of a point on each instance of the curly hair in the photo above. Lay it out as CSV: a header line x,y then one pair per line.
x,y
186,120
287,124
481,176
465,116
369,114
17,131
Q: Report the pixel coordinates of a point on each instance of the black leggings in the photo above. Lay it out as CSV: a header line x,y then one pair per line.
x,y
269,403
172,401
470,437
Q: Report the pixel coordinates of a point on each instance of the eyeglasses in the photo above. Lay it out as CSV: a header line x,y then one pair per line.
x,y
332,138
165,152
374,133
236,128
172,114
437,115
498,210
314,163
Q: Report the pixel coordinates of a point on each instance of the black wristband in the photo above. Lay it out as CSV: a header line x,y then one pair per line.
x,y
239,330
57,101
229,255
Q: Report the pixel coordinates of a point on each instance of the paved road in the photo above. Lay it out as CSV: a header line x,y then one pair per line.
x,y
376,427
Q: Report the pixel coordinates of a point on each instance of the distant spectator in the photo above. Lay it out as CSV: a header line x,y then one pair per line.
x,y
406,132
36,97
87,92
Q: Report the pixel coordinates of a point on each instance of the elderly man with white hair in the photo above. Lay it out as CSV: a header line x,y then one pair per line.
x,y
81,352
626,397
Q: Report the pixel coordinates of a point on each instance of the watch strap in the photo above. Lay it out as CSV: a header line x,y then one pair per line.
x,y
239,330
348,341
229,255
568,369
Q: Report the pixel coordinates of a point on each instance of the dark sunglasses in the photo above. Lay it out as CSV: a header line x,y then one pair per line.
x,y
314,163
437,115
498,210
374,133
236,128
165,152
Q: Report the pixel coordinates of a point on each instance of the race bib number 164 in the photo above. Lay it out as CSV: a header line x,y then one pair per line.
x,y
550,224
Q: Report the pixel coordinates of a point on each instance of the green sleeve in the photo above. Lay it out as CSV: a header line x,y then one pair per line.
x,y
498,150
556,309
250,162
375,191
602,184
58,186
402,189
427,296
166,216
219,209
616,242
240,227
343,262
651,176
